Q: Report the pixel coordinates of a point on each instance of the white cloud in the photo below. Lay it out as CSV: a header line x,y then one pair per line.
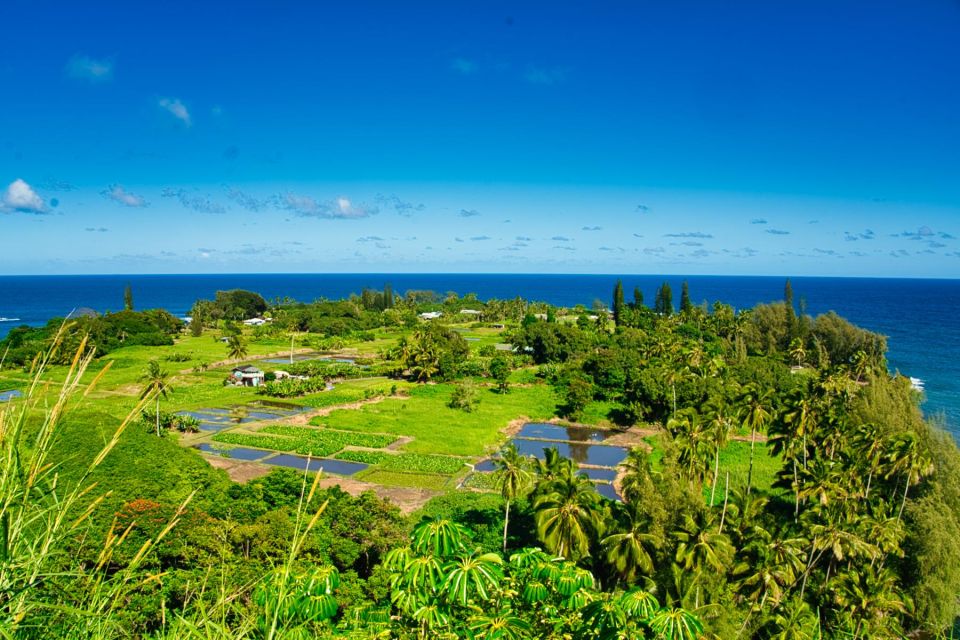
x,y
342,207
176,108
90,69
121,196
20,196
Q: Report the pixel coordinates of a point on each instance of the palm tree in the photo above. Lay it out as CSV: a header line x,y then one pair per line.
x,y
871,598
568,516
627,551
692,443
797,351
758,413
701,549
636,469
907,457
156,384
236,348
513,479
720,419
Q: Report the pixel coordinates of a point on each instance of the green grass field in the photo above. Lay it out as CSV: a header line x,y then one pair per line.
x,y
436,428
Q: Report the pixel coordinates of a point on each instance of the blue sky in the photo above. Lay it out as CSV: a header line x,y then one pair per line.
x,y
787,138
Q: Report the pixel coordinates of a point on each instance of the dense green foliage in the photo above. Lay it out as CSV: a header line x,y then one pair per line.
x,y
104,333
785,486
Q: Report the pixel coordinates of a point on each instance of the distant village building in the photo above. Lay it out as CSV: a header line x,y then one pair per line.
x,y
431,315
247,376
470,312
255,322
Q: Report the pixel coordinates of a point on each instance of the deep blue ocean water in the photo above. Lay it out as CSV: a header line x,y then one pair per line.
x,y
919,316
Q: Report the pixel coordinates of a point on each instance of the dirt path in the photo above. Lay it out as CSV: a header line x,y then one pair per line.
x,y
223,363
406,498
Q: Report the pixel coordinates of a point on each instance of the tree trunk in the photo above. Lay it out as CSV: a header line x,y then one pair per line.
x,y
716,471
903,503
753,442
506,521
158,415
726,495
796,492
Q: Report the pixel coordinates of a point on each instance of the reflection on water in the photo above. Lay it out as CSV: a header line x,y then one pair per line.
x,y
607,491
547,431
237,453
338,467
219,418
593,454
6,396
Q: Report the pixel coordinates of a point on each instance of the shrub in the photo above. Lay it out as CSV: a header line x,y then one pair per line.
x,y
465,396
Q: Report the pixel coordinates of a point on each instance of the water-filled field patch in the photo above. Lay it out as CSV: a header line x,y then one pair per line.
x,y
6,396
592,454
547,431
236,453
608,491
337,467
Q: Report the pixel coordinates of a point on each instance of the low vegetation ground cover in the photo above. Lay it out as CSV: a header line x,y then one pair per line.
x,y
436,428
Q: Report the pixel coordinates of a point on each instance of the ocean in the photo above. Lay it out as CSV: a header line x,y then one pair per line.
x,y
919,316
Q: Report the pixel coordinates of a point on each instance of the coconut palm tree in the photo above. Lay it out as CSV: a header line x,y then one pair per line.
x,y
758,412
236,348
636,469
513,478
720,418
157,384
908,458
692,442
628,550
568,516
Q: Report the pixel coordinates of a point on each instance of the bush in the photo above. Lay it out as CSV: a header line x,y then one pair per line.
x,y
465,396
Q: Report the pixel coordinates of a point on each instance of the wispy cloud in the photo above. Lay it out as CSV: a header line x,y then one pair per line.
x,y
247,201
121,196
638,235
90,69
545,75
402,207
524,239
21,197
341,208
175,108
853,237
480,238
642,208
194,202
689,234
370,239
591,228
778,232
561,239
96,229
469,213
758,221
464,66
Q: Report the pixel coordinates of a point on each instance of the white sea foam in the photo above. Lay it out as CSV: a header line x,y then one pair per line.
x,y
2,319
916,383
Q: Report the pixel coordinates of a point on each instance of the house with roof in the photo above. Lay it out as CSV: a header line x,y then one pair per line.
x,y
247,376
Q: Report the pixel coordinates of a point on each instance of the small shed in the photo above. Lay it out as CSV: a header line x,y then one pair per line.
x,y
247,376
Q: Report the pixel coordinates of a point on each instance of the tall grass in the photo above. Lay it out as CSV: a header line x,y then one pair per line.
x,y
45,592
